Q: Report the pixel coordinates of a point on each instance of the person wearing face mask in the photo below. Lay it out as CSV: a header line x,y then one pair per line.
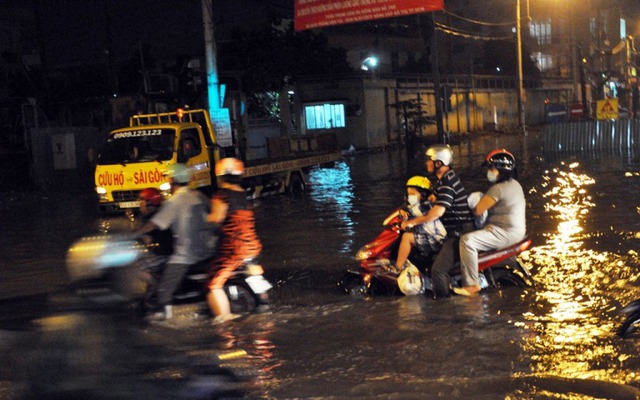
x,y
451,208
427,237
505,225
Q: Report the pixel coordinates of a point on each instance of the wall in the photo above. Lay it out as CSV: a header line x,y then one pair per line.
x,y
64,158
376,103
476,105
369,121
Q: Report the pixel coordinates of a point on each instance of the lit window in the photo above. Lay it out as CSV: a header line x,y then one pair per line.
x,y
324,116
541,31
544,61
623,28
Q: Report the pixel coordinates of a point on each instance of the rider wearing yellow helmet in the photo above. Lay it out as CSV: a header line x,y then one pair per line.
x,y
451,208
426,237
422,184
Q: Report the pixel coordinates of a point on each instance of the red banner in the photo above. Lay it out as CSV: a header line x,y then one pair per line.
x,y
318,13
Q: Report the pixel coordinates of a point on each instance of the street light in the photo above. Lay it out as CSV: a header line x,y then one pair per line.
x,y
369,63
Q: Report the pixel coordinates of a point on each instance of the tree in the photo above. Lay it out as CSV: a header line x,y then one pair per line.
x,y
413,118
267,57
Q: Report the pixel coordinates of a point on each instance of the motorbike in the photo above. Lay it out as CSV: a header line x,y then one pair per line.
x,y
375,277
115,269
632,319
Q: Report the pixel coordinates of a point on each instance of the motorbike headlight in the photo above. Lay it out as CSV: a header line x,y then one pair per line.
x,y
88,256
364,253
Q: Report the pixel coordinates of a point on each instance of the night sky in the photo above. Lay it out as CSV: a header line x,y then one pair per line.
x,y
75,32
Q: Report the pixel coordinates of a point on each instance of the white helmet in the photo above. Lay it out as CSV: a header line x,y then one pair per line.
x,y
440,152
180,173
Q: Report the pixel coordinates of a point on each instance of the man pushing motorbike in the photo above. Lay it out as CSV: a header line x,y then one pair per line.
x,y
185,213
451,208
232,215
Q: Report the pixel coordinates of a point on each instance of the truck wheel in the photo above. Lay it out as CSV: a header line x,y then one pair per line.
x,y
296,184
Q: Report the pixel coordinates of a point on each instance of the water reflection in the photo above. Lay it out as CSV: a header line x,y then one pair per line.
x,y
332,188
577,293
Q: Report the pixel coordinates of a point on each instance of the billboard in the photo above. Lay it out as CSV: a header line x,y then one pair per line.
x,y
311,14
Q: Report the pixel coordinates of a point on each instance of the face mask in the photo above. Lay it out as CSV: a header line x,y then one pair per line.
x,y
492,176
413,199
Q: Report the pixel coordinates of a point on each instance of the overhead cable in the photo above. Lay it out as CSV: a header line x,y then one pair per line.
x,y
467,35
479,22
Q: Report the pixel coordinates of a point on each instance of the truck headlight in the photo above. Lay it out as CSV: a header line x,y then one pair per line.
x,y
102,193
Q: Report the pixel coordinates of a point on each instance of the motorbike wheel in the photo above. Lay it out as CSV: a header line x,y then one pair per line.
x,y
353,285
358,290
507,277
240,297
629,325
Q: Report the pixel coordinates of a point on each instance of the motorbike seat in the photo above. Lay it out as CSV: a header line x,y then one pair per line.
x,y
200,270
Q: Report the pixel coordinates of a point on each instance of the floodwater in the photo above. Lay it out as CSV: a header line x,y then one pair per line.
x,y
553,341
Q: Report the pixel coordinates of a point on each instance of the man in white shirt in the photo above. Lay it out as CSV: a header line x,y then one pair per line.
x,y
506,223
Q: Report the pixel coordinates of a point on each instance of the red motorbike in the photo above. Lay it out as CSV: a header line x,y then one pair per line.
x,y
374,275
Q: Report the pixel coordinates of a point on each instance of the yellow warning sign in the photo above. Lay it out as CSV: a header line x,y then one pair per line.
x,y
607,109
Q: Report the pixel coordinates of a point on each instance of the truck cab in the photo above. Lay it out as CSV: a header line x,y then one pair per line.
x,y
136,157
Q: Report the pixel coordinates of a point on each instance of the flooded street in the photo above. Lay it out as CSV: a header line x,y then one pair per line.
x,y
552,341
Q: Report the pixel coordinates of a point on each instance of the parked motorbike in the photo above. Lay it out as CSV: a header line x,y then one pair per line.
x,y
115,269
632,319
374,277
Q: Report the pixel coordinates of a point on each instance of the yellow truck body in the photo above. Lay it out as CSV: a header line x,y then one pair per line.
x,y
136,157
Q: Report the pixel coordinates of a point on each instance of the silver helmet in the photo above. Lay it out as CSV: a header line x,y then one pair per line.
x,y
440,152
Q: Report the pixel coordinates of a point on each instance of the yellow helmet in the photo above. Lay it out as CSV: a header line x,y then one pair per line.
x,y
419,182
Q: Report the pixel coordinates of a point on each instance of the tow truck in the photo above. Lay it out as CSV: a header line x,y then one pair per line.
x,y
136,157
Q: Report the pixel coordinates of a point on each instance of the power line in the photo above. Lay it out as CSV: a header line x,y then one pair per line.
x,y
456,32
473,21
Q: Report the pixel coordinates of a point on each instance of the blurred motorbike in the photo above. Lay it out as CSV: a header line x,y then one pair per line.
x,y
373,275
632,319
116,269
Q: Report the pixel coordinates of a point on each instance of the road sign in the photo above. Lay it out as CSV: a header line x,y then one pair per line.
x,y
222,126
607,109
555,113
576,112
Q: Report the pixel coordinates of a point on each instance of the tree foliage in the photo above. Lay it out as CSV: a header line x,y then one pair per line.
x,y
268,56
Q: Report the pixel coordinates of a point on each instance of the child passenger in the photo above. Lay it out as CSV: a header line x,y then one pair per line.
x,y
427,237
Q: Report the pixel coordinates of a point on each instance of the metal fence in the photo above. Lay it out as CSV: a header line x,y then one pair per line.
x,y
613,136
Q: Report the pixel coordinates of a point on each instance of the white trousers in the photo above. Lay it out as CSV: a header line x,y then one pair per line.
x,y
490,237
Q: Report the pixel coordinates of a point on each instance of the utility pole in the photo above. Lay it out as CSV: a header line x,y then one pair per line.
x,y
213,84
435,66
583,85
220,117
521,99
